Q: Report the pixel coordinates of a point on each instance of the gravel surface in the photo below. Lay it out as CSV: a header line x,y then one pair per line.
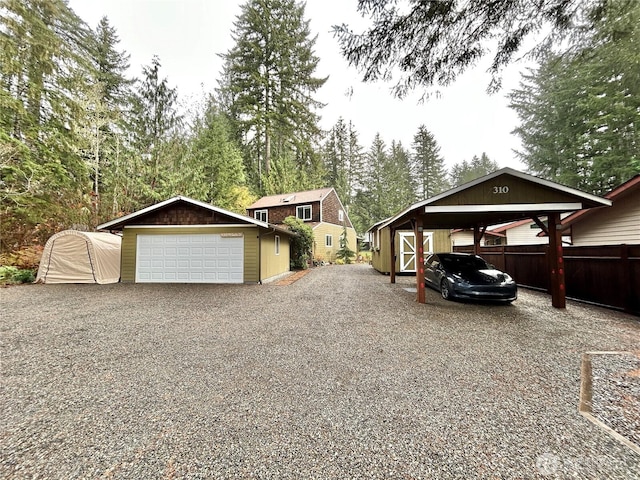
x,y
616,392
338,375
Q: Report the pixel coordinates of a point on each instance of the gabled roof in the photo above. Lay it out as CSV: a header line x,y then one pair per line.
x,y
447,210
627,187
295,198
377,224
119,223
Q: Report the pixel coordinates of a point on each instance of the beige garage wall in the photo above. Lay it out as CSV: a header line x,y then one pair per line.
x,y
129,245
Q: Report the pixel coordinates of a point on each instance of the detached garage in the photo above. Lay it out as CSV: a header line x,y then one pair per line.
x,y
182,240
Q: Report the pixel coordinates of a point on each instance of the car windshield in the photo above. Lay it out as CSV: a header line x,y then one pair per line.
x,y
461,263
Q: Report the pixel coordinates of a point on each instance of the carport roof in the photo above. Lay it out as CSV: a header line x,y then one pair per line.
x,y
120,223
505,195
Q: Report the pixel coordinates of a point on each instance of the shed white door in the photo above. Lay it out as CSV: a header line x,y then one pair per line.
x,y
408,250
194,258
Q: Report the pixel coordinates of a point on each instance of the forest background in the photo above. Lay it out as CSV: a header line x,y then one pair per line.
x,y
83,142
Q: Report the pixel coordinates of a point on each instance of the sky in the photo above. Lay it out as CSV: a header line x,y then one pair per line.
x,y
189,35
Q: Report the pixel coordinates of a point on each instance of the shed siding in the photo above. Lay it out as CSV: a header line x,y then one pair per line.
x,y
381,260
615,225
328,254
130,237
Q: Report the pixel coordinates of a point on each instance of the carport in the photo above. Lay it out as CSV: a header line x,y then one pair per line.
x,y
503,196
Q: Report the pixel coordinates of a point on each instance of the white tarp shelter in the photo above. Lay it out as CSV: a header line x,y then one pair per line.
x,y
71,256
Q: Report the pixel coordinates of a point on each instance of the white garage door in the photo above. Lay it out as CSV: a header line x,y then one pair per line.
x,y
196,258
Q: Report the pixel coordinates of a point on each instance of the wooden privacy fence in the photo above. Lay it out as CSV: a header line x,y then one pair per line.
x,y
604,275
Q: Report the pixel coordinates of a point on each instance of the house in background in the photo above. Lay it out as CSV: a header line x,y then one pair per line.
x,y
182,240
521,232
615,225
321,209
463,237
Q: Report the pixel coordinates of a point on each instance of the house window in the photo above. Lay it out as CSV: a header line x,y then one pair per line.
x,y
277,237
304,212
340,216
261,215
328,240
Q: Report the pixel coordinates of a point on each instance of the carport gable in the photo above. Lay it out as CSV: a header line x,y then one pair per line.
x,y
503,196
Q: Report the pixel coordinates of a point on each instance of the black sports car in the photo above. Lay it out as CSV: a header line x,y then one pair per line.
x,y
466,276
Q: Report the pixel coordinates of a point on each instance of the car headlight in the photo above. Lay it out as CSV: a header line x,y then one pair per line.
x,y
507,278
458,279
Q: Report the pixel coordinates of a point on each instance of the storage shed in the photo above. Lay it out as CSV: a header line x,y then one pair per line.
x,y
72,256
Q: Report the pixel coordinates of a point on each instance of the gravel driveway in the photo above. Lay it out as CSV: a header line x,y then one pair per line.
x,y
338,375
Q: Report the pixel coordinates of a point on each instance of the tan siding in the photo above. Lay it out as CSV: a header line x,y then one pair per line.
x,y
251,274
130,236
613,225
464,238
525,235
381,259
328,254
270,263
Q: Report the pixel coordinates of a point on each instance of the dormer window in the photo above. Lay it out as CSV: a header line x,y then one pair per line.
x,y
303,212
261,215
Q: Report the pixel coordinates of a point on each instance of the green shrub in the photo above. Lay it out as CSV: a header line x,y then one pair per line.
x,y
301,243
11,275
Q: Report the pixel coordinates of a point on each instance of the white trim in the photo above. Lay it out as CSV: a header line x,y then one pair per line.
x,y
328,236
304,207
506,207
213,225
263,211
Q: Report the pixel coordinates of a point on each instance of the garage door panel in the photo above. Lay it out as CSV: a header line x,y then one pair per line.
x,y
184,258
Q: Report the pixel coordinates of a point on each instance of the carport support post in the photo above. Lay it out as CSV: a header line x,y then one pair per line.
x,y
419,248
556,263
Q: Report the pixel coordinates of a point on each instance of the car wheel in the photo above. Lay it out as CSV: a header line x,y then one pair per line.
x,y
444,289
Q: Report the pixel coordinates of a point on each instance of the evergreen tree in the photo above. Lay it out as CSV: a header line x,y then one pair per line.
x,y
214,173
336,159
156,124
465,172
344,253
268,86
103,137
400,192
430,43
579,112
375,185
44,66
428,165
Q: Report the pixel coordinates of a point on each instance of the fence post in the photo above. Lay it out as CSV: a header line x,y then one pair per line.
x,y
626,278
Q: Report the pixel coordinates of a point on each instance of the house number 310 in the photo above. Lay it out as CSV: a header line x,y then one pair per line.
x,y
498,190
